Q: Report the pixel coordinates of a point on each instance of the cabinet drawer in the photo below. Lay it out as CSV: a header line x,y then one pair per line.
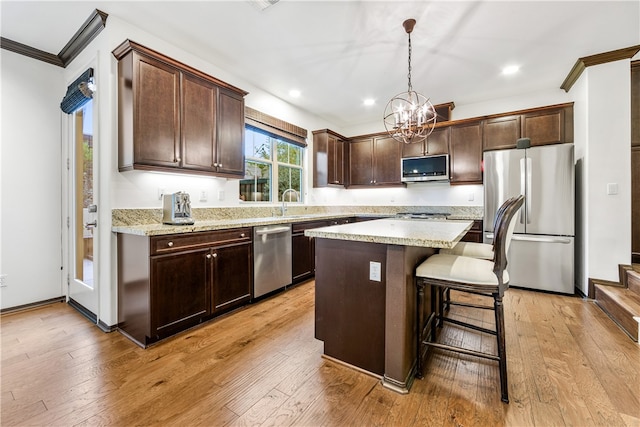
x,y
177,242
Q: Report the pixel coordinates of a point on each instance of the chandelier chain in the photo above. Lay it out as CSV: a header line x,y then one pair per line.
x,y
409,74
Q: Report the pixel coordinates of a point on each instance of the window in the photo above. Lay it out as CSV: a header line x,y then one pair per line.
x,y
272,165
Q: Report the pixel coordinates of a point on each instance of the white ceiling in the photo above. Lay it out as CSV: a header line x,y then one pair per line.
x,y
337,53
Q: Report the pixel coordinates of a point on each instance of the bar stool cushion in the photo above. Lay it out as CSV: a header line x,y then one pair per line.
x,y
460,269
471,249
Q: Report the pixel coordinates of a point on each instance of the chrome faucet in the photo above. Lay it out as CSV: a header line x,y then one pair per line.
x,y
288,190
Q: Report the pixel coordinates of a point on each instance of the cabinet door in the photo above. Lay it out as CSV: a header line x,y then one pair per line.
x,y
545,127
387,154
230,138
320,159
156,109
361,162
303,254
198,123
466,154
335,159
179,291
500,133
438,141
232,276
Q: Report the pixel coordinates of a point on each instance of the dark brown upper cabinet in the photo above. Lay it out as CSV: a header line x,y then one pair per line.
x,y
436,143
501,132
329,158
374,161
174,118
466,153
543,126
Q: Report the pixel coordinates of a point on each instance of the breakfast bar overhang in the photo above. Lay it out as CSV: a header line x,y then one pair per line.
x,y
365,309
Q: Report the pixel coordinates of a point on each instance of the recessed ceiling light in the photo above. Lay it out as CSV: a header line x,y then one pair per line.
x,y
369,102
510,69
294,93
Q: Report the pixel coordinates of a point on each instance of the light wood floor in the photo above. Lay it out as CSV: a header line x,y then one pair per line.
x,y
568,365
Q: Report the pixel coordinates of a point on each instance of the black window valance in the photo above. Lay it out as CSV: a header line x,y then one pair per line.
x,y
78,93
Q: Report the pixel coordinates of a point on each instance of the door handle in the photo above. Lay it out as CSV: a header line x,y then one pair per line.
x,y
277,230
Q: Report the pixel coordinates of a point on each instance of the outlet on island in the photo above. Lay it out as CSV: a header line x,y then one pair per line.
x,y
375,271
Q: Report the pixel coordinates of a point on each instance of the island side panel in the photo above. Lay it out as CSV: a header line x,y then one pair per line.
x,y
350,308
400,315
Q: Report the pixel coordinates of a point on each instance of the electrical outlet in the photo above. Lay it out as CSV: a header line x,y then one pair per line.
x,y
204,195
375,271
471,197
221,195
3,280
160,193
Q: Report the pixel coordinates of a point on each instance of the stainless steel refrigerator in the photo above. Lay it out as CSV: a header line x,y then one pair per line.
x,y
541,254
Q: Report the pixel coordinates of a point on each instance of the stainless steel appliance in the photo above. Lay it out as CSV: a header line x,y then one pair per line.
x,y
541,255
176,209
272,258
425,168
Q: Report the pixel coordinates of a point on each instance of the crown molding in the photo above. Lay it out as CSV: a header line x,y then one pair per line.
x,y
80,40
31,52
600,58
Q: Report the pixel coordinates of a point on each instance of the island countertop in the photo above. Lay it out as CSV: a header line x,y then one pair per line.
x,y
394,231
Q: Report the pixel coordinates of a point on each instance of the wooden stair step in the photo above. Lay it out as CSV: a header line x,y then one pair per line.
x,y
622,305
633,281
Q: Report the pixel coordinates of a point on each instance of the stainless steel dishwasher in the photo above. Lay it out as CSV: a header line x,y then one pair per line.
x,y
271,258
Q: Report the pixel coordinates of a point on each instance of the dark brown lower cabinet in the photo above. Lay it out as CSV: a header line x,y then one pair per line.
x,y
169,283
303,250
180,292
232,275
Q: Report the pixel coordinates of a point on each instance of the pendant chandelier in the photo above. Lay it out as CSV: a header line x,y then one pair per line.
x,y
409,116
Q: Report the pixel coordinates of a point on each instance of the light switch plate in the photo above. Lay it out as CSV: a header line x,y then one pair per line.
x,y
375,271
612,188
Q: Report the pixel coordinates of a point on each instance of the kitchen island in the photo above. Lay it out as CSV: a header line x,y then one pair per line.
x,y
365,296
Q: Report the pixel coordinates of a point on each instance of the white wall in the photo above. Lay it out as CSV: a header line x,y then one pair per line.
x,y
607,161
30,254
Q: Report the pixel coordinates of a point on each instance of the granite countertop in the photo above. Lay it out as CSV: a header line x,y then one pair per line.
x,y
220,224
148,222
406,232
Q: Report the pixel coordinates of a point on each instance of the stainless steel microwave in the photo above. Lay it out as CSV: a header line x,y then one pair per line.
x,y
425,168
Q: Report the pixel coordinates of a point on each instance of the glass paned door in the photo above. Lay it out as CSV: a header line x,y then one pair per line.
x,y
83,211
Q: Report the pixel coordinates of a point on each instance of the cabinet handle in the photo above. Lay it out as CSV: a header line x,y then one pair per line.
x,y
215,255
178,159
215,165
208,256
241,234
219,165
170,244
